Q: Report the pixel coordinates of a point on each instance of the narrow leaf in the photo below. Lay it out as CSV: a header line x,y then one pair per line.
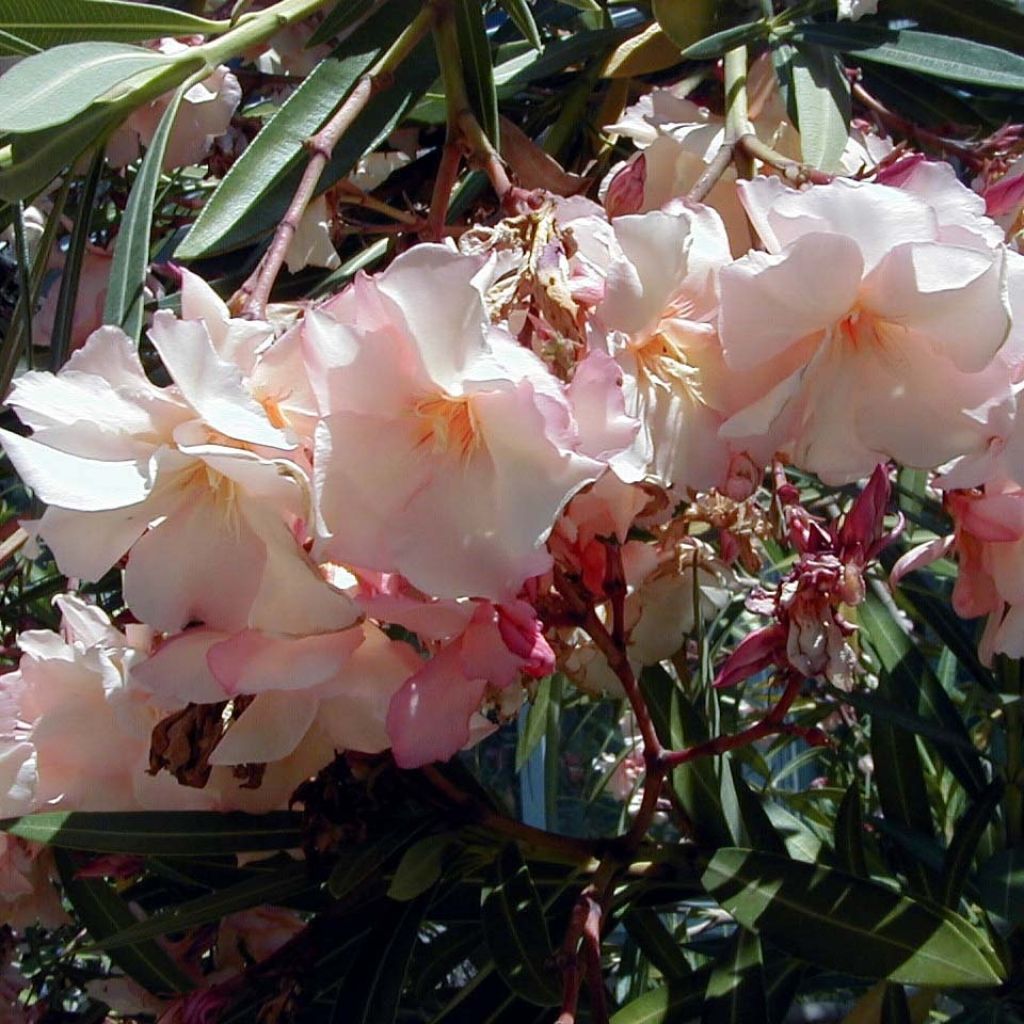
x,y
848,834
103,912
675,1003
819,915
419,868
821,94
277,887
517,934
520,13
966,836
46,23
162,833
713,46
656,942
130,265
536,722
340,18
477,65
736,988
959,60
1000,884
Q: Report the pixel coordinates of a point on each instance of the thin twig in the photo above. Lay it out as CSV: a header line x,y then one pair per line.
x,y
711,174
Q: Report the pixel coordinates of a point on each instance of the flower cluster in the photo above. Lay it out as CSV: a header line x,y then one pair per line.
x,y
356,529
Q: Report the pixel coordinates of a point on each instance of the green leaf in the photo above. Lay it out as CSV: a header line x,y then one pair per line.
x,y
103,913
753,827
988,21
67,296
373,986
736,988
39,157
918,688
520,13
274,888
821,95
340,18
676,1003
254,195
46,23
713,46
849,834
517,934
819,914
357,864
966,836
130,265
685,23
51,88
162,833
1000,884
656,942
477,65
536,723
927,53
419,868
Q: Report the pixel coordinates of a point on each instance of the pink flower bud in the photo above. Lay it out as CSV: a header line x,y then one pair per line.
x,y
626,191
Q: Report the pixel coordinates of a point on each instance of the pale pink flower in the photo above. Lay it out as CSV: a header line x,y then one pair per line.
x,y
901,328
446,450
28,894
204,115
204,483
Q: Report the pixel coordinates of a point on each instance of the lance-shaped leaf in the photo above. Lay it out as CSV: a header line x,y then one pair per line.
x,y
820,915
51,88
340,18
966,836
161,833
477,65
104,913
848,834
736,988
1000,884
420,867
676,1003
656,942
520,13
821,94
273,888
959,60
373,987
130,265
517,934
46,23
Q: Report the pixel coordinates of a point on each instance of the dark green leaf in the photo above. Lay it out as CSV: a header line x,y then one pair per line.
x,y
340,18
679,1002
104,913
1000,884
914,684
656,942
736,988
820,915
477,65
373,987
130,265
67,296
962,847
357,864
46,23
927,53
419,868
988,21
519,11
163,833
716,45
754,828
849,834
517,934
270,889
254,195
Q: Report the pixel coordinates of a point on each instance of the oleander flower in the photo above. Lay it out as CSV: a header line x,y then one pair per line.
x,y
872,319
203,484
446,449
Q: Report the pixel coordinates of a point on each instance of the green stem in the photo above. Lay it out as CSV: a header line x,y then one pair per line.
x,y
253,29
